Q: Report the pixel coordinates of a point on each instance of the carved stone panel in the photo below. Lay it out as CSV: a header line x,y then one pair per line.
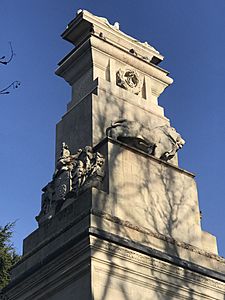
x,y
74,174
88,170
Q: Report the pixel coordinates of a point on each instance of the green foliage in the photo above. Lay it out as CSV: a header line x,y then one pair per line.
x,y
8,256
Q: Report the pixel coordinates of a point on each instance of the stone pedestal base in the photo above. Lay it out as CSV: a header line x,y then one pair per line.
x,y
98,265
104,244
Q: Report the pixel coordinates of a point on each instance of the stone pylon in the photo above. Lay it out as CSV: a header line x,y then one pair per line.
x,y
119,219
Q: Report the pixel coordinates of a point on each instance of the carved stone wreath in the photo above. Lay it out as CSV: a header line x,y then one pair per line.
x,y
129,80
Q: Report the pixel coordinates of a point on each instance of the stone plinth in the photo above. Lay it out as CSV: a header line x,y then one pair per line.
x,y
108,242
101,266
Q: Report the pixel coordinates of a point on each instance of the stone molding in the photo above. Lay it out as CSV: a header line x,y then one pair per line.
x,y
147,231
134,61
116,250
90,251
154,263
127,224
100,26
165,288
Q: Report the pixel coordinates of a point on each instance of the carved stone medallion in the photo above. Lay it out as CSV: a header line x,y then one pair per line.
x,y
129,80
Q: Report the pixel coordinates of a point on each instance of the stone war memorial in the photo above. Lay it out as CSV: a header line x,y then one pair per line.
x,y
119,219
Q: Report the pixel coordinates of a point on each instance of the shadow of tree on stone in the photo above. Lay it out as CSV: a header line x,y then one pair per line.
x,y
137,207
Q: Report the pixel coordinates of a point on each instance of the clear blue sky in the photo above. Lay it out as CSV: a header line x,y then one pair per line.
x,y
191,36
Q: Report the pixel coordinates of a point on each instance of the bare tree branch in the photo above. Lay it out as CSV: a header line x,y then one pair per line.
x,y
13,85
3,59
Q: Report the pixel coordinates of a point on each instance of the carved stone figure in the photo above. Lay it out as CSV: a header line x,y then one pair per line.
x,y
167,140
163,141
78,175
74,173
88,170
129,80
46,202
65,150
65,162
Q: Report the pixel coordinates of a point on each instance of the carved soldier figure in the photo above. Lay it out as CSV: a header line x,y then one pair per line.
x,y
98,165
78,175
65,150
46,201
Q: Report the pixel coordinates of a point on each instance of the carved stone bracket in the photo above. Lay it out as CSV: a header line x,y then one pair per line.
x,y
74,174
129,80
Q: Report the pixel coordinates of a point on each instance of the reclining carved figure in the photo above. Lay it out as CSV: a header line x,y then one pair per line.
x,y
163,141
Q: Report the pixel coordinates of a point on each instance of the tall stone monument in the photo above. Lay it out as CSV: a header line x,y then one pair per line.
x,y
119,219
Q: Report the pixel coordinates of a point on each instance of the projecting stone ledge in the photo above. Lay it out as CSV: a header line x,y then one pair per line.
x,y
86,24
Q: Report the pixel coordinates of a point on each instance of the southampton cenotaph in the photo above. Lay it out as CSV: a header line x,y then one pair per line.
x,y
119,219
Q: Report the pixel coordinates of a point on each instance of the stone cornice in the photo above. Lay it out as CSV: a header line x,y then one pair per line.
x,y
85,22
136,251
